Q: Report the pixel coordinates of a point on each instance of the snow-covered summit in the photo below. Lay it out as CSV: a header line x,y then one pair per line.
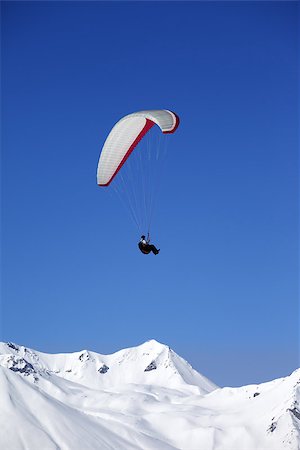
x,y
145,397
150,363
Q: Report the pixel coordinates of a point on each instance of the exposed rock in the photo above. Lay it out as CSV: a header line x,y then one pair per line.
x,y
272,427
84,356
21,365
13,346
103,369
151,366
296,412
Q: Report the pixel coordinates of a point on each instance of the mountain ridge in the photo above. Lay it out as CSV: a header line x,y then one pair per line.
x,y
144,397
138,365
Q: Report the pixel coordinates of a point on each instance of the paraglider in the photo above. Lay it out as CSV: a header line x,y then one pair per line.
x,y
138,189
146,247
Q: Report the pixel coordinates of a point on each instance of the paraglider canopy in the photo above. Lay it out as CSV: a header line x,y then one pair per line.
x,y
125,136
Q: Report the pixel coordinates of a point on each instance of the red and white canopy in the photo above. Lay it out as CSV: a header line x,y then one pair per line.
x,y
125,136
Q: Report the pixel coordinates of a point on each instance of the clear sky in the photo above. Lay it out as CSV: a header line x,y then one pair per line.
x,y
223,293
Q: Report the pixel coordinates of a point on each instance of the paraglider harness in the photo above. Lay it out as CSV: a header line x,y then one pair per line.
x,y
145,247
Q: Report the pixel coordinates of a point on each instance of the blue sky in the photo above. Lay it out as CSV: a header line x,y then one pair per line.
x,y
223,292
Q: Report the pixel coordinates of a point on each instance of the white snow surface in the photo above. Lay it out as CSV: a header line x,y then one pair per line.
x,y
145,397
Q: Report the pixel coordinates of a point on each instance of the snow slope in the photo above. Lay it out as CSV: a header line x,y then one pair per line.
x,y
145,397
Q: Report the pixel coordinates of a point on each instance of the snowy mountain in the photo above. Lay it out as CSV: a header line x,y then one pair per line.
x,y
145,397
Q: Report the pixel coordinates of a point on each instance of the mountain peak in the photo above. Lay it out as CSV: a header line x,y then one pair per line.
x,y
152,345
147,394
150,363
